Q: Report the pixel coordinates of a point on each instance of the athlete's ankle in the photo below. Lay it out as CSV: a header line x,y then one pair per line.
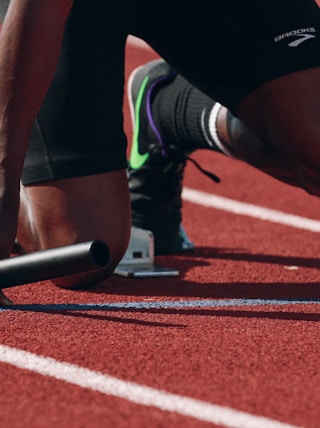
x,y
189,119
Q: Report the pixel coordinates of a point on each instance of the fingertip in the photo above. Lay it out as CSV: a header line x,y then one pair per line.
x,y
4,301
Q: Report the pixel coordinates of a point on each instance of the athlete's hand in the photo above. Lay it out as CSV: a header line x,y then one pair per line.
x,y
9,203
4,301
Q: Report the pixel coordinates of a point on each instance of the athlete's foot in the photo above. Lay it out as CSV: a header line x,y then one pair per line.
x,y
156,167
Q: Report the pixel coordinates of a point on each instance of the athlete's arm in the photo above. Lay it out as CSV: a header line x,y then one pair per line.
x,y
30,41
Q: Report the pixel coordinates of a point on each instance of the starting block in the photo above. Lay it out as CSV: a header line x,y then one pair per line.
x,y
138,260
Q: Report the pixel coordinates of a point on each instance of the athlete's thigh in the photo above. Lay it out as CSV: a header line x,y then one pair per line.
x,y
79,128
228,49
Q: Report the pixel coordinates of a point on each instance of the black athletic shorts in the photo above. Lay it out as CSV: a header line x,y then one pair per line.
x,y
226,48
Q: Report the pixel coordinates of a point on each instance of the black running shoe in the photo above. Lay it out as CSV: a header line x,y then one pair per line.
x,y
156,167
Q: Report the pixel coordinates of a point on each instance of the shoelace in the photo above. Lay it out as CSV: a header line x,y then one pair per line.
x,y
209,174
178,156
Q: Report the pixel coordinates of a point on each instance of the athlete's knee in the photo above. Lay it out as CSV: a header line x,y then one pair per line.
x,y
117,245
310,179
306,158
70,211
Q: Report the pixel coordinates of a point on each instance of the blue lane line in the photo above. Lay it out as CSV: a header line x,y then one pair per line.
x,y
177,304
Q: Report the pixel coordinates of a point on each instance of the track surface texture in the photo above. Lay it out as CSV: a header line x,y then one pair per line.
x,y
232,342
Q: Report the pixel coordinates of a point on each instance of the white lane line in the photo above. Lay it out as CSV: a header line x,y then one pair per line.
x,y
161,304
251,210
134,392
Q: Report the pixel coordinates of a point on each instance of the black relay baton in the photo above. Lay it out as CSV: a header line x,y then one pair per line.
x,y
53,263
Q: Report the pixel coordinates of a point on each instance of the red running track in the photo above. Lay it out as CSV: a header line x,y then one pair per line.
x,y
232,342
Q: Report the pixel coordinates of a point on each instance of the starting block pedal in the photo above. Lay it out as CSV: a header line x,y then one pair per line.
x,y
138,260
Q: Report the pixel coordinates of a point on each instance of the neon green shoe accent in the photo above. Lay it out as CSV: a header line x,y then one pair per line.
x,y
137,159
